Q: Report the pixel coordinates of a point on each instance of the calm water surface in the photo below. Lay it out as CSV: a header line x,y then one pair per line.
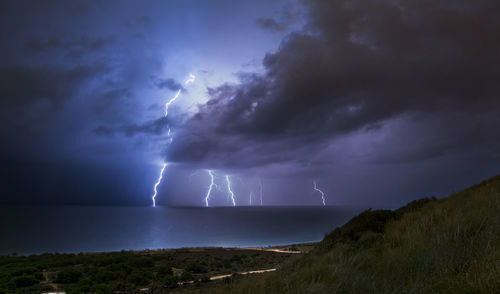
x,y
28,230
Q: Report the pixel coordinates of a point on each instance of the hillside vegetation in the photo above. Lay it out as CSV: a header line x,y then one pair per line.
x,y
153,271
429,246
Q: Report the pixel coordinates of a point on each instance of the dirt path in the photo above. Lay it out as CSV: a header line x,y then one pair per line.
x,y
47,281
218,277
275,250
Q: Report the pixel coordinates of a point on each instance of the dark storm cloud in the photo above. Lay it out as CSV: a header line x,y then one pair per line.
x,y
26,84
154,127
287,17
169,83
422,138
32,99
84,44
364,87
356,66
104,131
271,24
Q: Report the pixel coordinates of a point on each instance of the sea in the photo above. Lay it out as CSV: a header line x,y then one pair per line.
x,y
26,230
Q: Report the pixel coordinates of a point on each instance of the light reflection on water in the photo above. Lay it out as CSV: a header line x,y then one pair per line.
x,y
38,229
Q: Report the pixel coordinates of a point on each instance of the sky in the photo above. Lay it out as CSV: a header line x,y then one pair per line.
x,y
377,101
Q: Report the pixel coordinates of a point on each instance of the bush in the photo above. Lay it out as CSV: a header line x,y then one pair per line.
x,y
170,282
84,285
106,276
25,281
27,270
196,268
165,271
102,289
139,278
143,261
367,221
236,258
186,276
68,276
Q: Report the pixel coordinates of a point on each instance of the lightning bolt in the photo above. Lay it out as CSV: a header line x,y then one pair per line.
x,y
260,189
167,105
157,183
231,193
212,184
315,187
169,133
186,82
190,79
251,192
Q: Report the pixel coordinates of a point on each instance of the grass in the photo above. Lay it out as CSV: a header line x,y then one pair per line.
x,y
429,246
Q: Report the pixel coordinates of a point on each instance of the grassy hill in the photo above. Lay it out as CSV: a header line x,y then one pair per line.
x,y
429,246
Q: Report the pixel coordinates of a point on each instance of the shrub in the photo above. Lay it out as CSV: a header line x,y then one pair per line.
x,y
139,278
106,276
68,276
367,221
165,271
140,262
84,285
102,289
186,276
25,281
196,268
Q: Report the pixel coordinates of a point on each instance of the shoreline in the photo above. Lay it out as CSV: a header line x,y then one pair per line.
x,y
276,249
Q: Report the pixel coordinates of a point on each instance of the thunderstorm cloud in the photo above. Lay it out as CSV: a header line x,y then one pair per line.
x,y
428,68
379,101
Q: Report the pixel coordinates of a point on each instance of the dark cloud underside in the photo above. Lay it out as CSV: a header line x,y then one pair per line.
x,y
356,66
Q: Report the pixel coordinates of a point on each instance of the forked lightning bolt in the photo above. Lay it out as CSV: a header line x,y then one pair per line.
x,y
231,193
157,183
169,134
315,187
212,184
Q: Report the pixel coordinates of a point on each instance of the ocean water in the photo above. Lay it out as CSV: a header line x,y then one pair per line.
x,y
64,229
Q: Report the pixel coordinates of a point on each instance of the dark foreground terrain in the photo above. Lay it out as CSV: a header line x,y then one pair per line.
x,y
150,271
450,245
